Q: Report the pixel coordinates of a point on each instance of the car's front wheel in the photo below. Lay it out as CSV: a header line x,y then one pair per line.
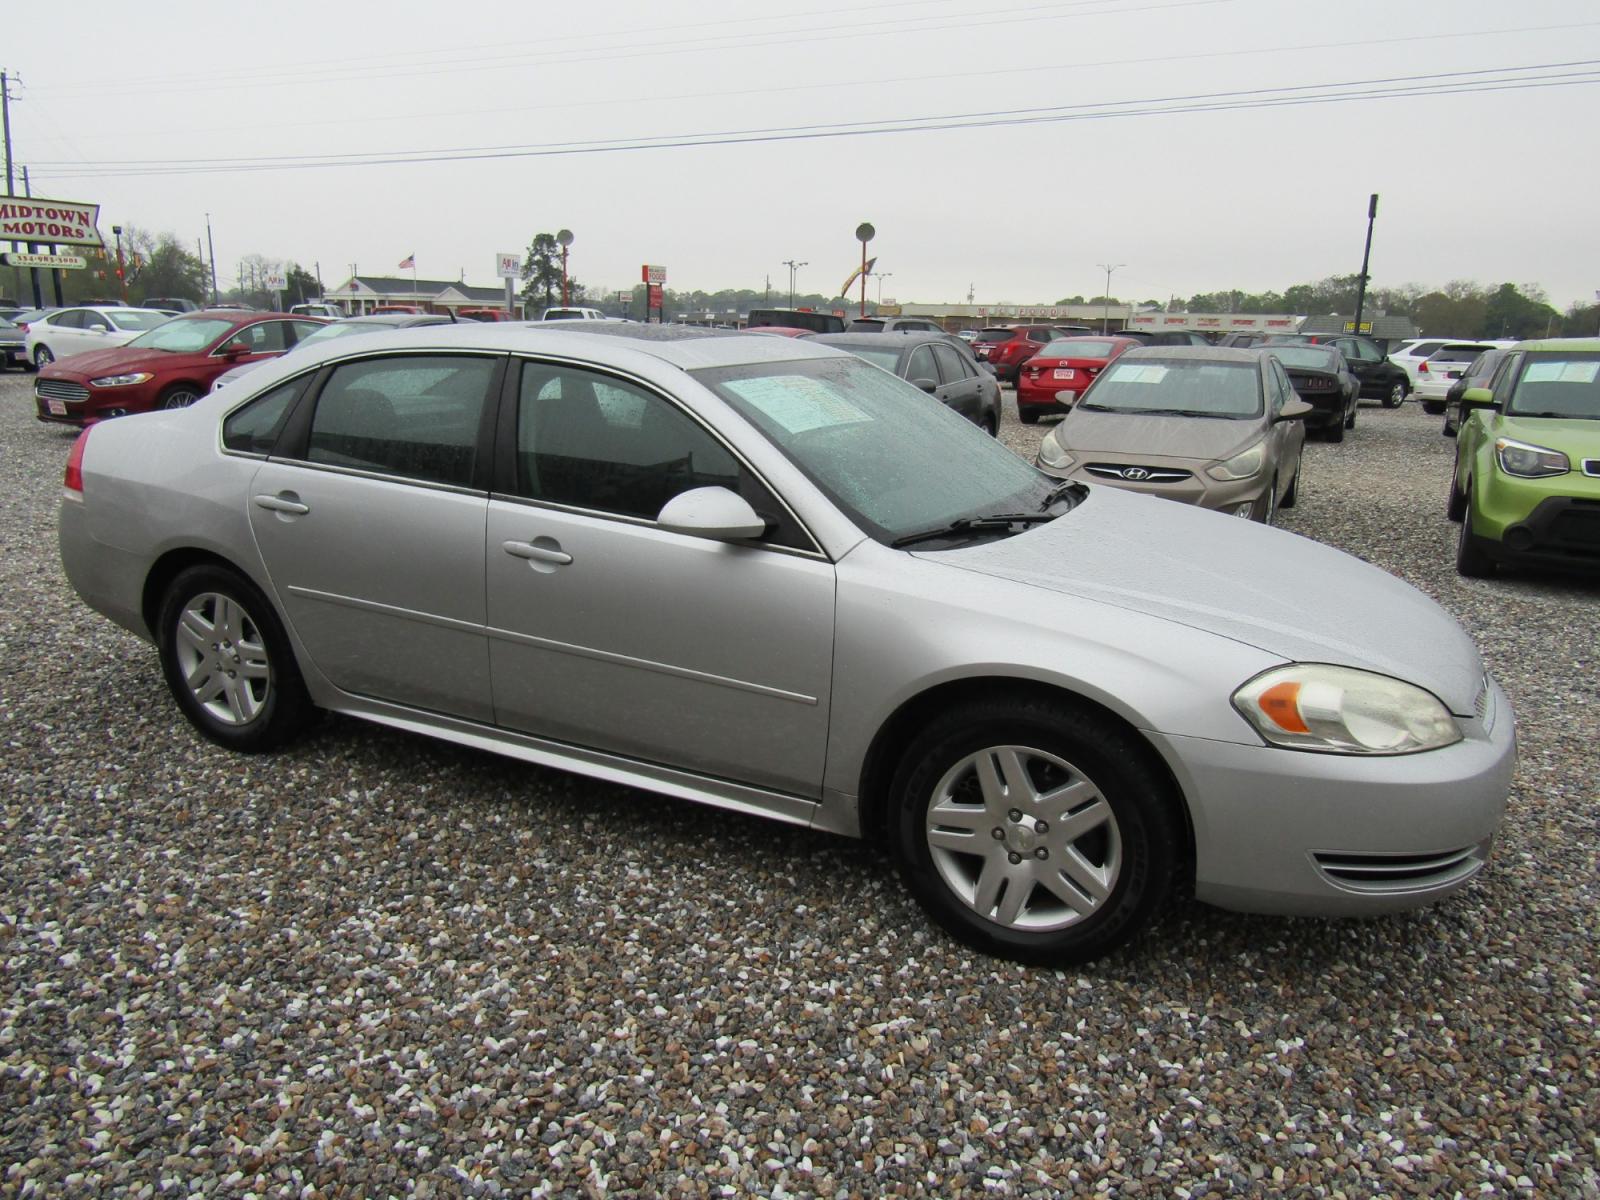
x,y
1433,408
179,395
1033,830
1396,396
1456,507
42,356
227,661
1471,561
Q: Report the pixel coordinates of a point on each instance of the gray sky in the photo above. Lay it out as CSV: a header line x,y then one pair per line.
x,y
1487,185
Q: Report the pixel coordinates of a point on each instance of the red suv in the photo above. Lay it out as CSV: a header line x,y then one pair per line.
x,y
171,366
1053,379
1007,347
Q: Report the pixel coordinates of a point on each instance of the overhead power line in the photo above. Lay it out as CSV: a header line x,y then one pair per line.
x,y
1540,75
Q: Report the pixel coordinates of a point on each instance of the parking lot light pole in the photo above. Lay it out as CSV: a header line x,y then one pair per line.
x,y
122,282
793,267
1105,300
1366,258
882,275
565,238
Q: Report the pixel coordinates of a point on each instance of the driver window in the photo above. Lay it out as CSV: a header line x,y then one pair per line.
x,y
921,366
264,337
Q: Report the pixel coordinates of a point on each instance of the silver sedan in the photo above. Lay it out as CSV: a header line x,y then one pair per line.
x,y
763,575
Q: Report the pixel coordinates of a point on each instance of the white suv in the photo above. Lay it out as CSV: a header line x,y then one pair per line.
x,y
573,314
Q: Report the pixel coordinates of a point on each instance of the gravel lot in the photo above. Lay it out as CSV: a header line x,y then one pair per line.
x,y
380,965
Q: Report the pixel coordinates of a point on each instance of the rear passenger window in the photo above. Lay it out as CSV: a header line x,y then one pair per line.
x,y
951,365
254,428
417,417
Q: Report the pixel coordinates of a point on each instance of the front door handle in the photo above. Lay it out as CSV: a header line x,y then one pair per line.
x,y
535,553
284,502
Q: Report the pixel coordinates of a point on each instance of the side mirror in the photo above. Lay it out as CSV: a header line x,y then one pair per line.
x,y
235,350
1478,398
927,385
711,512
97,327
1294,410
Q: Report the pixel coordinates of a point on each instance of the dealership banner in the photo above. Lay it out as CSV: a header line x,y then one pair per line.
x,y
64,222
56,262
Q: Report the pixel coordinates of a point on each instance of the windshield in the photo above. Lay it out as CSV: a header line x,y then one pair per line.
x,y
341,329
1073,348
1304,356
1457,354
1202,389
1558,385
889,360
179,336
893,459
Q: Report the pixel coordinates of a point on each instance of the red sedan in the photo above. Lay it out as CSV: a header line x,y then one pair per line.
x,y
1053,379
171,366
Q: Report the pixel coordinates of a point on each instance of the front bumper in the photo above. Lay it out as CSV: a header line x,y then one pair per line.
x,y
14,356
1195,488
96,404
1291,832
1560,531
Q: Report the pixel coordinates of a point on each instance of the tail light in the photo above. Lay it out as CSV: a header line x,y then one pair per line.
x,y
73,480
1422,368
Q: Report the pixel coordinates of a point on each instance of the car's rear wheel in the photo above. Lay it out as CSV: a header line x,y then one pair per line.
x,y
991,425
1433,407
42,356
1028,416
227,661
1350,417
1033,830
1396,396
1471,561
179,395
1334,432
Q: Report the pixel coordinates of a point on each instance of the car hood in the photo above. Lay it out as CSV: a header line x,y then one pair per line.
x,y
1577,437
1201,438
121,359
1279,592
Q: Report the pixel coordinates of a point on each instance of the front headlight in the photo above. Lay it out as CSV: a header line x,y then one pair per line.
x,y
1340,710
1529,462
1053,455
121,380
1242,465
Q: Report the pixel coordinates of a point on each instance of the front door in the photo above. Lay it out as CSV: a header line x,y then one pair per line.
x,y
609,632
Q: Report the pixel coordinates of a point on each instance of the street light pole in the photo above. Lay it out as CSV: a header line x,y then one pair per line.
x,y
1366,257
793,267
882,275
122,282
1105,300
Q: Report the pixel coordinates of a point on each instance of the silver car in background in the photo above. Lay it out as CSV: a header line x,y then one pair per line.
x,y
764,575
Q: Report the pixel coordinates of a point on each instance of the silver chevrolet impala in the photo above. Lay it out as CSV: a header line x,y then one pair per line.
x,y
766,576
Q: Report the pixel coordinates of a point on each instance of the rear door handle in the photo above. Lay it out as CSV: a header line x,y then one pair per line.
x,y
544,554
284,502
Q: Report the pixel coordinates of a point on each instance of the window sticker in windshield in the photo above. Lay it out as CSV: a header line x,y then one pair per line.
x,y
1561,372
796,403
1137,373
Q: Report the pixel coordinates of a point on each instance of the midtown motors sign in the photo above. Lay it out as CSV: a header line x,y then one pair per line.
x,y
64,222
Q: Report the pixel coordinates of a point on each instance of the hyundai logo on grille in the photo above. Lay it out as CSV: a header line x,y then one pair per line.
x,y
1135,473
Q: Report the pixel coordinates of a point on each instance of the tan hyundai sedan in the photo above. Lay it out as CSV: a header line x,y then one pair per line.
x,y
1217,427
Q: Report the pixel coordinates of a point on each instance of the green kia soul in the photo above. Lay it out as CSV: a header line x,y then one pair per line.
x,y
1526,487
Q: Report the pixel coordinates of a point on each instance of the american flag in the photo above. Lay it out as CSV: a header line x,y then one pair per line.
x,y
409,263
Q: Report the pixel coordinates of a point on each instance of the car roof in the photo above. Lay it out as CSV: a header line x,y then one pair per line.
x,y
877,341
1197,354
1586,345
685,347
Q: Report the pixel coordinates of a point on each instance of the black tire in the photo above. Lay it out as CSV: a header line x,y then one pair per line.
x,y
1433,408
1334,432
1131,839
179,395
1028,416
1293,494
1350,417
1471,561
261,715
42,357
1269,514
991,425
1396,396
1456,507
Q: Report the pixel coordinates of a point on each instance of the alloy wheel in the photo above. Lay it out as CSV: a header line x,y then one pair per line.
x,y
223,658
1024,838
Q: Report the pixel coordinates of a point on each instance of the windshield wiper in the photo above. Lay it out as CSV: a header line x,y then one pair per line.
x,y
1557,416
1061,491
973,525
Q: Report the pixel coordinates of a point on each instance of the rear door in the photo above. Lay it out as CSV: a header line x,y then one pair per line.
x,y
959,387
370,518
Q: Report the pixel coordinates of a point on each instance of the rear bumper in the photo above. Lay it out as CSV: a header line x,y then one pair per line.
x,y
1283,831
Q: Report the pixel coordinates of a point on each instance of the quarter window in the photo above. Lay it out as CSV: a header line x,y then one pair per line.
x,y
418,417
254,428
